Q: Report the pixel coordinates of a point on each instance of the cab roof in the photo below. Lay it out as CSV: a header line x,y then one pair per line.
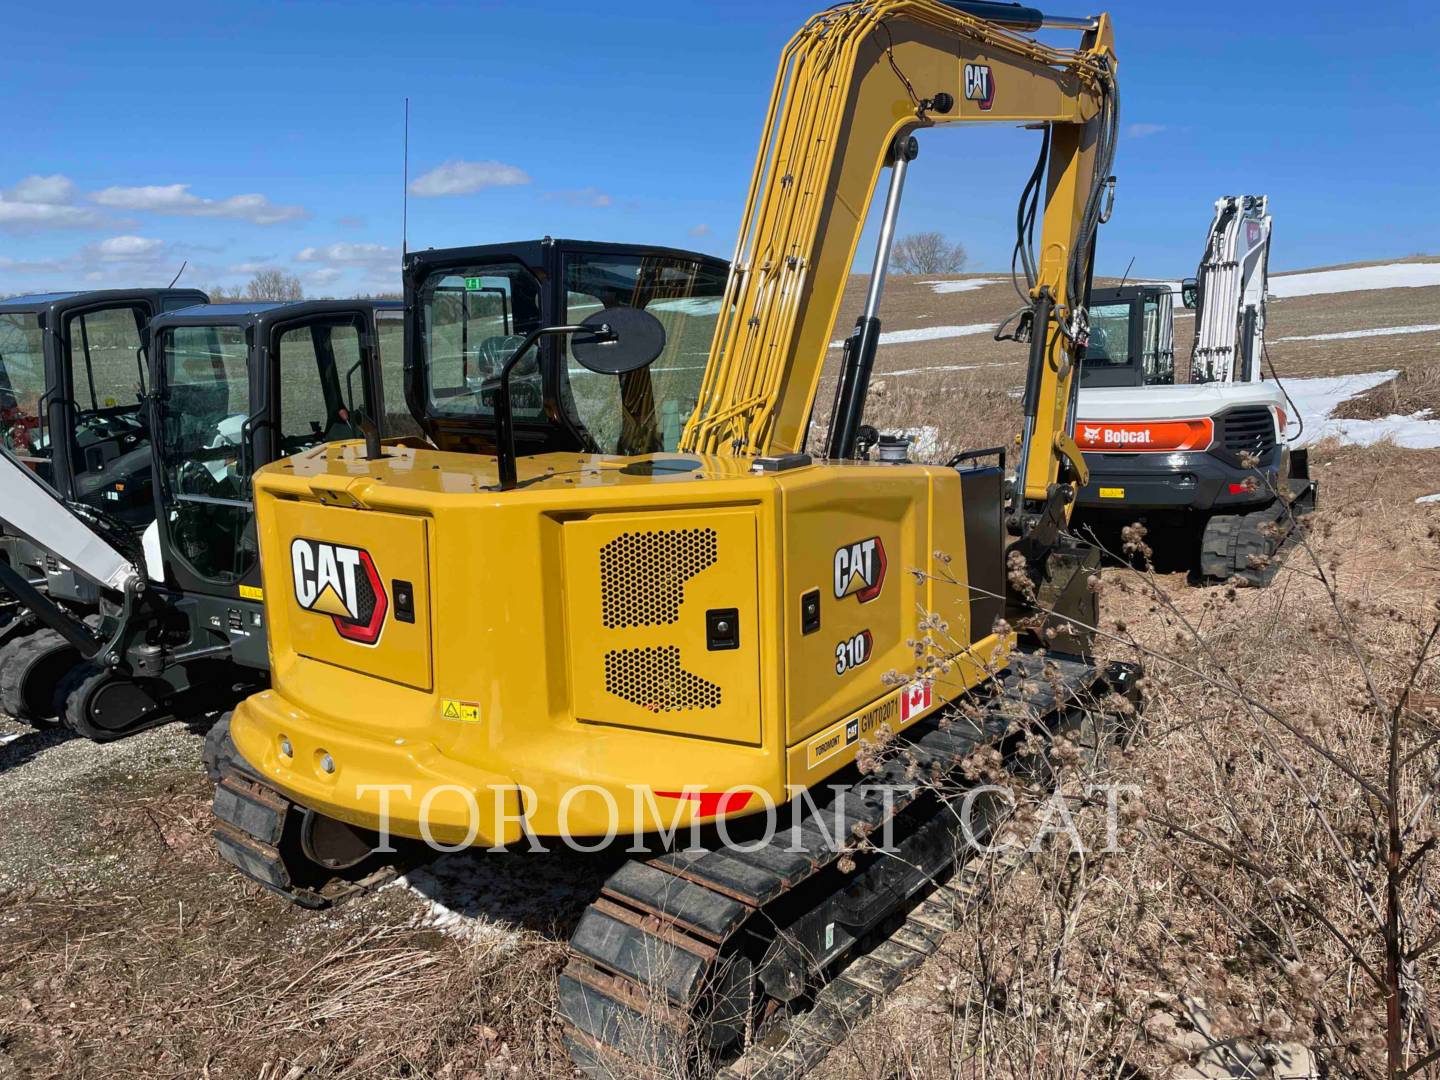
x,y
60,301
251,314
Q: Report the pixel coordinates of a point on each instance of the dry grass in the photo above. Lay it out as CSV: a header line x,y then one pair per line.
x,y
1415,389
1096,964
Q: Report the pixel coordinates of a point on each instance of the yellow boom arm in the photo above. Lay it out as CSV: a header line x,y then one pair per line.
x,y
851,83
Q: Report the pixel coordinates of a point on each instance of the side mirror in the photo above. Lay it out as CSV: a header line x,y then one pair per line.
x,y
618,340
615,341
1189,292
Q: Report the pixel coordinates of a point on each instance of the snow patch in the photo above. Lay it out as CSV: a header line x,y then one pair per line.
x,y
1414,432
1316,399
1379,331
924,442
926,333
936,367
1356,279
1428,499
493,896
940,288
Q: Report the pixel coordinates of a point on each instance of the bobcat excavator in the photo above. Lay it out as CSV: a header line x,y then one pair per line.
x,y
674,627
1208,459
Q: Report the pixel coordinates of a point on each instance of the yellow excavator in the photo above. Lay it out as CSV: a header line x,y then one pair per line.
x,y
687,621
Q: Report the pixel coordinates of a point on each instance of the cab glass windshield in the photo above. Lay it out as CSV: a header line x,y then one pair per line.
x,y
1109,335
644,411
474,318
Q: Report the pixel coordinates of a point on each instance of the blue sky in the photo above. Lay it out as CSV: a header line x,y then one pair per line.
x,y
263,134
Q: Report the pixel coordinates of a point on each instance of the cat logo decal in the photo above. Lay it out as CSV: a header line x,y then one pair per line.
x,y
341,582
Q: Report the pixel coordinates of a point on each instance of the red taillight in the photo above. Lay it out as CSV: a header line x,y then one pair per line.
x,y
1145,436
1241,489
712,803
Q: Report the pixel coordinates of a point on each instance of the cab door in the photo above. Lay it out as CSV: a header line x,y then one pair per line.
x,y
206,411
100,438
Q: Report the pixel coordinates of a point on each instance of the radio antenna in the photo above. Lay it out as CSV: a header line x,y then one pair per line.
x,y
405,188
176,278
1127,271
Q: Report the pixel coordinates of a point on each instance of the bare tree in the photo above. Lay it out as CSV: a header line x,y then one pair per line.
x,y
274,285
927,253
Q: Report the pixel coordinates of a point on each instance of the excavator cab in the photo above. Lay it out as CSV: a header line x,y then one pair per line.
x,y
238,386
1132,337
476,305
230,387
72,377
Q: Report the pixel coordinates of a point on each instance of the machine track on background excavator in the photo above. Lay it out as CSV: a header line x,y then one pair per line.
x,y
1208,461
636,627
176,614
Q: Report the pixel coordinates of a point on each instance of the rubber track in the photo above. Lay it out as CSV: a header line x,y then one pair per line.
x,y
256,830
668,928
15,660
1236,545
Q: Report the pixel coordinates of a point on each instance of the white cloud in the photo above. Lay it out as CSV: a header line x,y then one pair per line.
x,y
700,230
178,200
44,202
325,276
1140,131
350,254
466,178
586,196
129,247
44,189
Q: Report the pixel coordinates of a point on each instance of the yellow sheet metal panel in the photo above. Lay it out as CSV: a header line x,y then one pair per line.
x,y
353,586
517,608
834,746
661,622
854,534
947,593
399,778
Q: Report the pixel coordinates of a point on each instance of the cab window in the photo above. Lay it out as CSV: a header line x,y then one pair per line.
x,y
390,334
473,320
644,411
321,369
206,412
1109,335
22,384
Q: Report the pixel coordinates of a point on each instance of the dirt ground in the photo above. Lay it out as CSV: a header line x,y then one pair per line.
x,y
128,950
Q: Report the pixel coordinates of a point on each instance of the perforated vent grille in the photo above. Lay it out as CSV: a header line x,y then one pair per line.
x,y
643,574
653,679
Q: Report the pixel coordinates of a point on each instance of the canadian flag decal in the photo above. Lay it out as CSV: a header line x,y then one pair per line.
x,y
914,700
